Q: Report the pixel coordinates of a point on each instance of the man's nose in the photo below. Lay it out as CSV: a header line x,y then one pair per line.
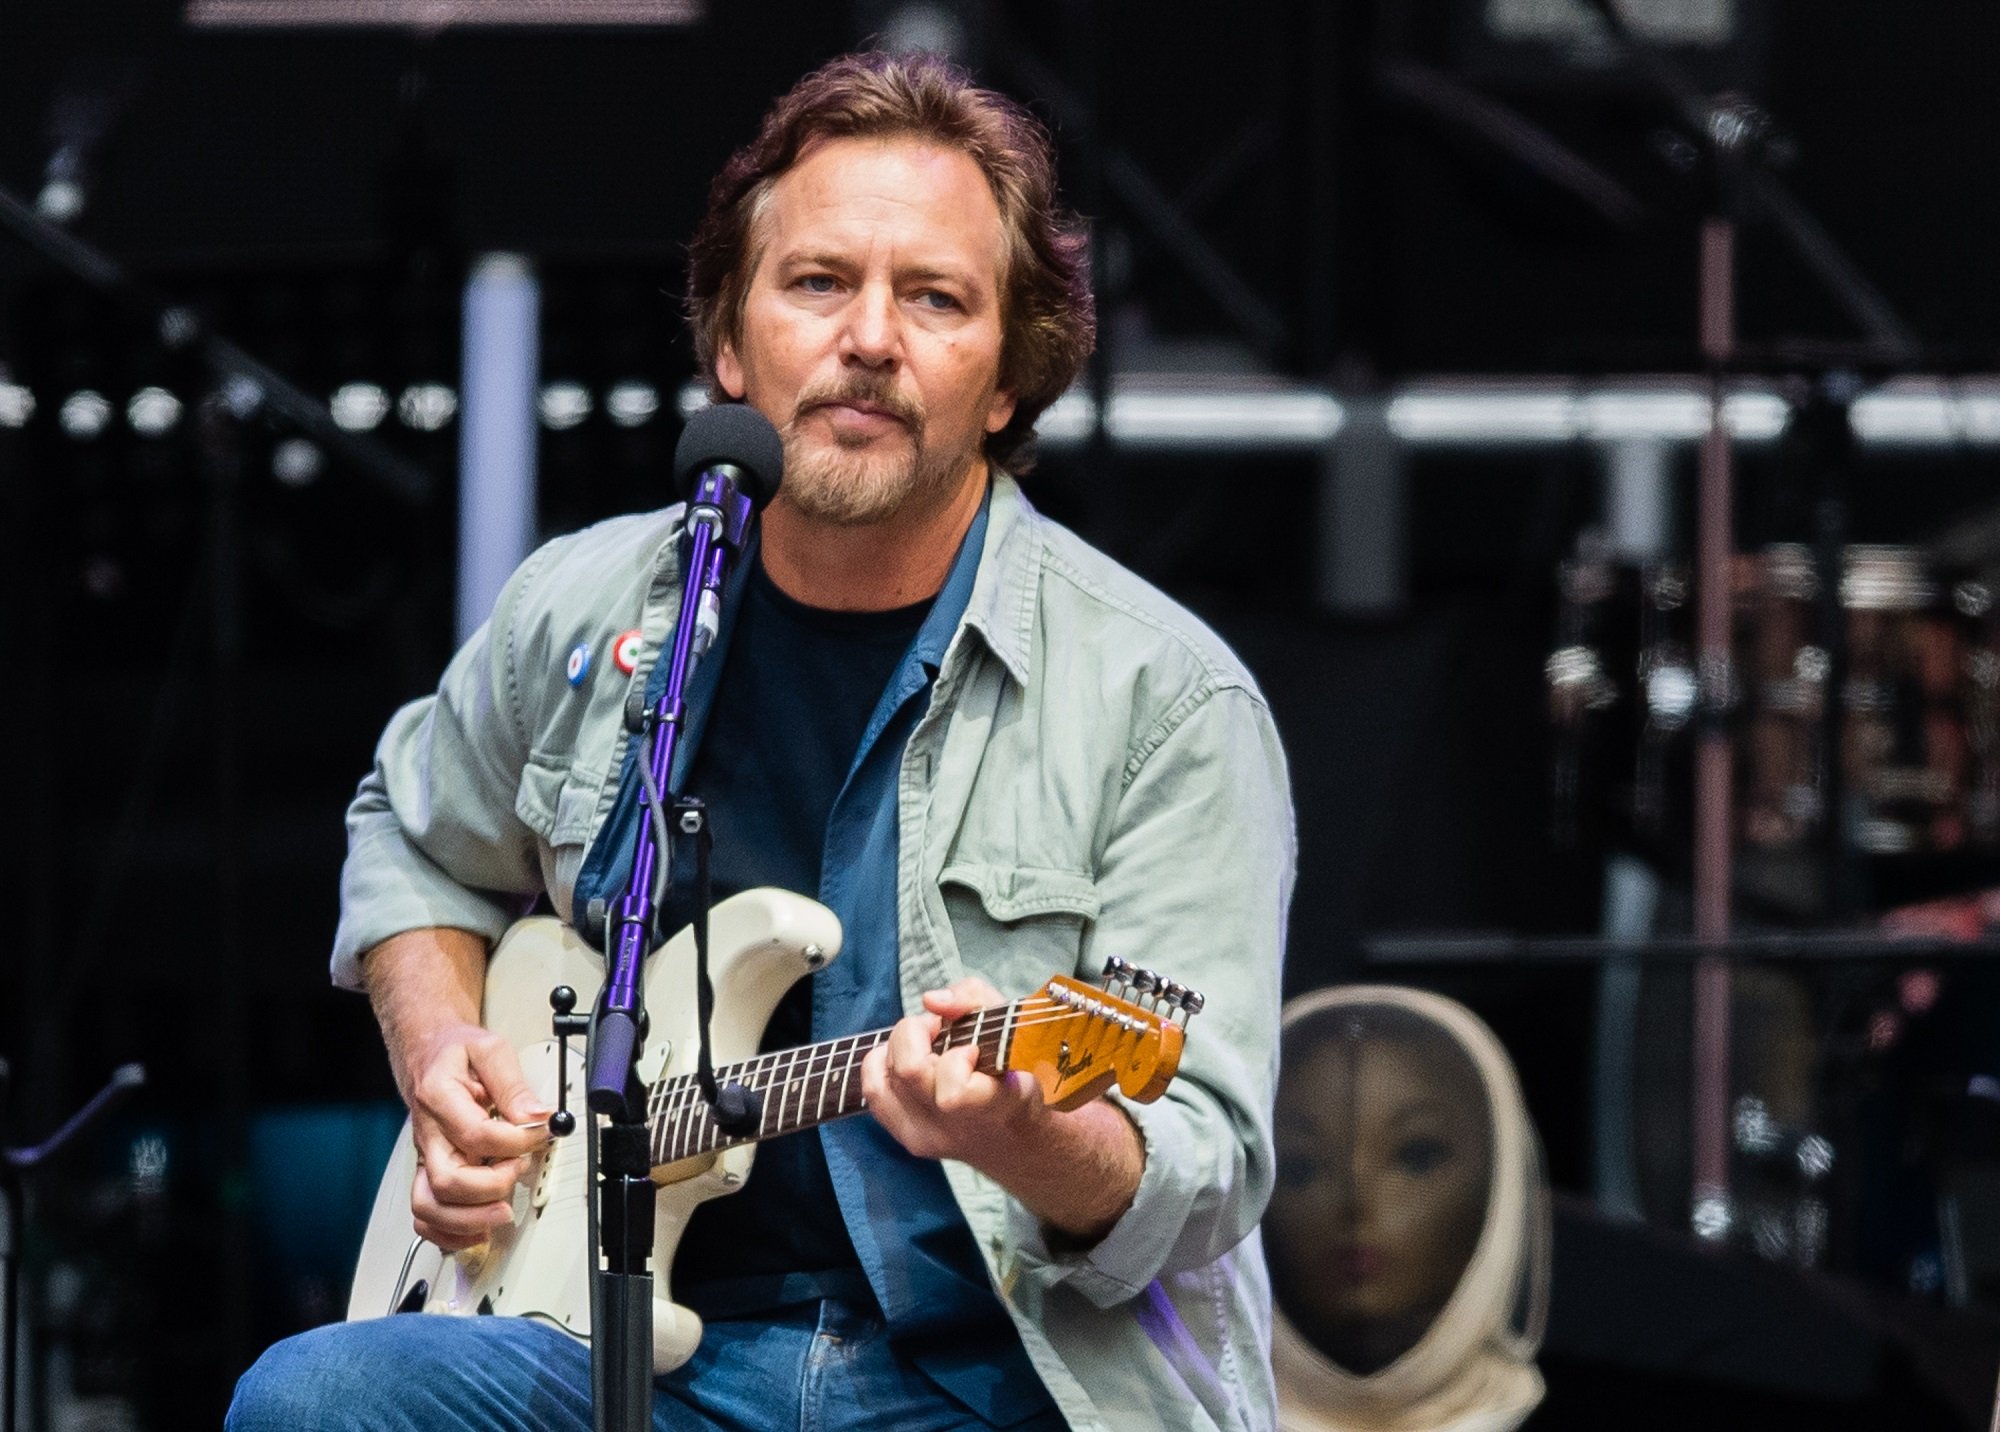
x,y
873,335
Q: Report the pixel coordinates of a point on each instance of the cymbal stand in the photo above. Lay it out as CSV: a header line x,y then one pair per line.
x,y
1740,144
14,1162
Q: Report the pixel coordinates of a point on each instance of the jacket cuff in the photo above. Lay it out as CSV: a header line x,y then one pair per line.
x,y
388,886
1119,1265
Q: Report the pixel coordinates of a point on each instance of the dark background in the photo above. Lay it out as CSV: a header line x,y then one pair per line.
x,y
201,656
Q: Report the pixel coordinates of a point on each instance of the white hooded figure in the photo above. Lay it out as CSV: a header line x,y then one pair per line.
x,y
1409,1231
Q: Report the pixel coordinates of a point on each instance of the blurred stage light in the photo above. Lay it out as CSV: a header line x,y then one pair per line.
x,y
1483,415
924,27
17,405
430,16
60,202
153,412
1179,413
149,1162
1928,412
297,462
242,395
426,406
1176,416
632,403
84,414
563,405
1709,24
359,407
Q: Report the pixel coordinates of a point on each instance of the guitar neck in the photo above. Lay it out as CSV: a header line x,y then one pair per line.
x,y
804,1087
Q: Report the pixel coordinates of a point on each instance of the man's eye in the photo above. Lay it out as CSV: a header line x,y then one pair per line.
x,y
816,282
934,299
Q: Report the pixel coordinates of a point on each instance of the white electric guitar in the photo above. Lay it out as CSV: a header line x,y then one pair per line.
x,y
1076,1040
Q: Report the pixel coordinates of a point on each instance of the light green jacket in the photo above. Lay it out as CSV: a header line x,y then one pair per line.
x,y
1096,775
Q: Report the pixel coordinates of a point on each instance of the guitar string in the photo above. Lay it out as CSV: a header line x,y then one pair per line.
x,y
819,1058
955,1037
1058,1013
684,1137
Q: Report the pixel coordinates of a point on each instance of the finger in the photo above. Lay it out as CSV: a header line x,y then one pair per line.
x,y
910,1121
450,1100
908,1050
453,1226
457,1177
962,997
498,1069
883,1097
957,1083
1023,1088
493,1140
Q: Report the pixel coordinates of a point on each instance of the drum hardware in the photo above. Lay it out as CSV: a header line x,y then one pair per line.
x,y
1917,704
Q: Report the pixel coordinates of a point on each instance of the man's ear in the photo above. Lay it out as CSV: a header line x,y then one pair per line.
x,y
999,412
729,372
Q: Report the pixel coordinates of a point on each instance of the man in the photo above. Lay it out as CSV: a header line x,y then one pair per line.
x,y
992,752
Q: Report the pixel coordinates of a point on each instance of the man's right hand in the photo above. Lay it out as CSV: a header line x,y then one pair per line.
x,y
472,1114
475,1121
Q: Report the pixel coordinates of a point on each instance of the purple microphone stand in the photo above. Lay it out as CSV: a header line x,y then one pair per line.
x,y
724,491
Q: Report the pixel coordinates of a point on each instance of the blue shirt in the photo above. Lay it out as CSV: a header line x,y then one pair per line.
x,y
903,1224
800,687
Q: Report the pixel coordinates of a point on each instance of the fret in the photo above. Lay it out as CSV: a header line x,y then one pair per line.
x,y
690,1119
1003,1042
784,1083
849,1098
811,1084
684,1122
825,1078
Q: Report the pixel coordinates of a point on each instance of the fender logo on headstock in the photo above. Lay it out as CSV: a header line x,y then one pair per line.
x,y
1066,1067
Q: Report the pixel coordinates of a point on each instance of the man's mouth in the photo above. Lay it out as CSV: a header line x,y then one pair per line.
x,y
861,409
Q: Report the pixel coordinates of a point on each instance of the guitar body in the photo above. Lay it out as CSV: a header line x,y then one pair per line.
x,y
760,943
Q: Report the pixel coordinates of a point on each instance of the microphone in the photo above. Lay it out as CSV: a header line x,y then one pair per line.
x,y
738,443
727,465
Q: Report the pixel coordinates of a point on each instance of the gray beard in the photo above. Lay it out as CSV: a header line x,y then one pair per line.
x,y
850,488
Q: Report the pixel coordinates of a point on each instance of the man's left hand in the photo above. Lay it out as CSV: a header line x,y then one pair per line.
x,y
942,1106
1077,1171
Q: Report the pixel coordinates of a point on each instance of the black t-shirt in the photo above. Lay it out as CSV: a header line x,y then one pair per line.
x,y
797,687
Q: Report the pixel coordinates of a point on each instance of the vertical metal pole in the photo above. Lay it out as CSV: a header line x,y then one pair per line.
x,y
1714,602
501,375
1638,525
1362,564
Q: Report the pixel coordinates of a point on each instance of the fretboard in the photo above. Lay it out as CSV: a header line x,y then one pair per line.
x,y
804,1086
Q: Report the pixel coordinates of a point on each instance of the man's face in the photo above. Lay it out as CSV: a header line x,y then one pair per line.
x,y
871,327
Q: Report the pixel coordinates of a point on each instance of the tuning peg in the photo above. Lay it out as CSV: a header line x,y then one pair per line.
x,y
1174,993
1117,973
1193,1002
1145,983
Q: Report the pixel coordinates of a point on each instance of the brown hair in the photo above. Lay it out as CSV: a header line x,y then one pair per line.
x,y
1048,318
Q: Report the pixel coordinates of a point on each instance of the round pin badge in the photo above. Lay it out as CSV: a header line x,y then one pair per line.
x,y
579,664
625,651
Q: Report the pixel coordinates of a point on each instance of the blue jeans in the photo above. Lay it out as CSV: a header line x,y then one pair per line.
x,y
821,1367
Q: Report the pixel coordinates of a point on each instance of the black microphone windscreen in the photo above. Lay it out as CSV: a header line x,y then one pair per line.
x,y
735,434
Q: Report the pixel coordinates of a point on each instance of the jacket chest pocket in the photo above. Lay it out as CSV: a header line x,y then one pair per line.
x,y
558,803
1017,925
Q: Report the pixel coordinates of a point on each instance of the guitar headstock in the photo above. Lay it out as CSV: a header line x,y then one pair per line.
x,y
1077,1040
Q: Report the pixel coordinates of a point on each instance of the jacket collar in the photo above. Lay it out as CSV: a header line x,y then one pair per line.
x,y
1004,594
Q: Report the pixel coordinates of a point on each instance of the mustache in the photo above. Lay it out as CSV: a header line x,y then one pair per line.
x,y
875,392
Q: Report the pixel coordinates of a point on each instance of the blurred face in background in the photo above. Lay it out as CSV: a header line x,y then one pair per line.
x,y
1384,1173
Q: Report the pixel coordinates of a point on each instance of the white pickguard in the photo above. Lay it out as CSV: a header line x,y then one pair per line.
x,y
760,943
